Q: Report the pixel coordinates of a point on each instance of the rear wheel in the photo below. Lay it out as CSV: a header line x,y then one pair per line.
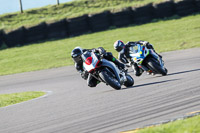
x,y
155,66
129,81
108,77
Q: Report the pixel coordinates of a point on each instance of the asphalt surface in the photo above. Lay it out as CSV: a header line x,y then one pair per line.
x,y
72,107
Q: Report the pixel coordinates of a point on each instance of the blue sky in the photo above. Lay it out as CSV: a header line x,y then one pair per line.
x,y
9,6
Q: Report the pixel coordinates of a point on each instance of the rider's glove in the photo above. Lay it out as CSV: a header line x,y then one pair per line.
x,y
145,43
102,50
84,75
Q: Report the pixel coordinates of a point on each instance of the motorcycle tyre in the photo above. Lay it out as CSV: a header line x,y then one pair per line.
x,y
129,82
165,71
108,78
155,66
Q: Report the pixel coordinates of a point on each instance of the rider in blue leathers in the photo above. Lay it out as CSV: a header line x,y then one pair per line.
x,y
124,54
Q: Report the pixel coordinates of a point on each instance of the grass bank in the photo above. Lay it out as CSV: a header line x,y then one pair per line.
x,y
167,35
9,99
190,125
67,10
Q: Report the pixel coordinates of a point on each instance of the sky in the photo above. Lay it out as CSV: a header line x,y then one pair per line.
x,y
9,6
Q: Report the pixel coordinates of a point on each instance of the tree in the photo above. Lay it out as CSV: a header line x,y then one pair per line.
x,y
20,3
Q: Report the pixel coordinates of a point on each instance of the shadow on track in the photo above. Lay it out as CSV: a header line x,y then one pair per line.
x,y
147,84
183,72
159,82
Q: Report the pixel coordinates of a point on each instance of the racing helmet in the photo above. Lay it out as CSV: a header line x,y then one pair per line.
x,y
118,45
76,54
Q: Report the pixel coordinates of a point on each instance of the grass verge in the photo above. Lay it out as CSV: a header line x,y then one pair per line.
x,y
190,125
67,10
166,35
9,99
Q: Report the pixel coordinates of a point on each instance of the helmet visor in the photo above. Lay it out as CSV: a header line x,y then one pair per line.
x,y
118,49
77,59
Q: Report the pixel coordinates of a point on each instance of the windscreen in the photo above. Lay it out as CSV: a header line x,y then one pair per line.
x,y
133,49
85,55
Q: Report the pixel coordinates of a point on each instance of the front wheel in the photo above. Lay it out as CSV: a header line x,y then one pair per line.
x,y
155,66
129,81
108,77
165,72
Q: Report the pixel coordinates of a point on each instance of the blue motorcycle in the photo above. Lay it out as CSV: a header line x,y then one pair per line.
x,y
147,60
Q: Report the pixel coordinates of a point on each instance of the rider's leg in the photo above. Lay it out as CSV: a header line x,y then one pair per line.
x,y
91,81
150,46
110,57
137,70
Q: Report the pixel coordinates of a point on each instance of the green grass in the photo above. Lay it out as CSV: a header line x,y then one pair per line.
x,y
168,35
190,125
67,10
9,99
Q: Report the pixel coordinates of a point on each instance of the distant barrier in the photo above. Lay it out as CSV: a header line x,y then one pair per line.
x,y
97,22
36,33
186,7
15,37
163,10
1,37
100,21
197,3
57,29
77,26
122,18
143,14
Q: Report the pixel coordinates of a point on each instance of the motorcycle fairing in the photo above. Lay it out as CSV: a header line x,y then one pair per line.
x,y
140,54
111,65
154,55
93,65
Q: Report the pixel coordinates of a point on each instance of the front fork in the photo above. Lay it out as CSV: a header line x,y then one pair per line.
x,y
123,76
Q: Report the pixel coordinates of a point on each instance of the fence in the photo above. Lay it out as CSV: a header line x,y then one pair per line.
x,y
97,22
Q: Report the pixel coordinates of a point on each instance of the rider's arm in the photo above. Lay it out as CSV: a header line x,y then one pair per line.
x,y
150,46
99,50
79,68
122,58
147,44
130,44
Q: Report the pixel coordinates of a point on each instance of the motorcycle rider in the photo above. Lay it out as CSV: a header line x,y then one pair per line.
x,y
124,54
76,56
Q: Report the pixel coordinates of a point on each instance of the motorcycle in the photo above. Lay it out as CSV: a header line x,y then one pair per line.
x,y
105,71
147,60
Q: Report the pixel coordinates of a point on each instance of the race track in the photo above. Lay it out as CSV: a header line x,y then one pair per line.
x,y
72,107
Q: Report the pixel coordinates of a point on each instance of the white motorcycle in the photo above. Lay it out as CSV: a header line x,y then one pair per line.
x,y
105,71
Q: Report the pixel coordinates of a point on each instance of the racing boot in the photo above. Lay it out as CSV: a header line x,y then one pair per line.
x,y
137,70
149,72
